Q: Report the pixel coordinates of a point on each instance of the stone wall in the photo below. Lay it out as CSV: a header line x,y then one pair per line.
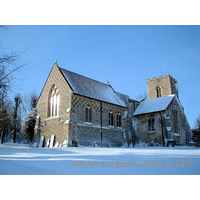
x,y
180,138
183,125
142,132
89,133
70,124
54,125
167,83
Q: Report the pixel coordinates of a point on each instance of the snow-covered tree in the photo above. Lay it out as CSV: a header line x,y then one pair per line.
x,y
28,124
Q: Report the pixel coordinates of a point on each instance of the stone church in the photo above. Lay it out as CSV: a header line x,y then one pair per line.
x,y
78,110
160,119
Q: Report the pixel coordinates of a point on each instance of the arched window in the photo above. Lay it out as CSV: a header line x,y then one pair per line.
x,y
54,102
175,119
159,91
119,124
88,114
110,118
151,123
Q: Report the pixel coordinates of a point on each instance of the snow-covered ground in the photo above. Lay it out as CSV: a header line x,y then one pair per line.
x,y
22,160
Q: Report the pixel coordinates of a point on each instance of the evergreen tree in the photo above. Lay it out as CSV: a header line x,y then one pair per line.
x,y
28,124
196,134
196,137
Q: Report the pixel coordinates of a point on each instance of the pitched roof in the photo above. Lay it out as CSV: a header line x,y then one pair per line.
x,y
91,88
154,105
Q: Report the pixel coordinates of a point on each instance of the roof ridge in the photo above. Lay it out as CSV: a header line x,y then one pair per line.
x,y
83,76
91,88
154,105
171,95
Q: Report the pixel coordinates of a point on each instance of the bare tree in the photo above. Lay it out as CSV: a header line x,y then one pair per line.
x,y
29,101
142,97
5,120
10,65
198,122
34,99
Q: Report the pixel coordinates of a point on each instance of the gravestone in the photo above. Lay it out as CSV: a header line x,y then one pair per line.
x,y
65,143
52,141
35,144
41,141
48,143
56,145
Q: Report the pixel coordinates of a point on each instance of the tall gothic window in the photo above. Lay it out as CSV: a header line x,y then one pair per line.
x,y
175,121
110,118
159,91
151,123
88,114
119,119
54,102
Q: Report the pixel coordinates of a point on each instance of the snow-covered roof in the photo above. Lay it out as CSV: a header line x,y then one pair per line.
x,y
91,88
154,105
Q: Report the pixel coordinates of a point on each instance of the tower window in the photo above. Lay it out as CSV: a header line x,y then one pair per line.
x,y
111,118
151,123
54,102
88,114
158,91
119,119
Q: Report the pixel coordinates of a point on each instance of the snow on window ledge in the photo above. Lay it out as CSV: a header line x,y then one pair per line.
x,y
169,129
119,128
111,126
88,123
52,118
177,134
151,131
67,122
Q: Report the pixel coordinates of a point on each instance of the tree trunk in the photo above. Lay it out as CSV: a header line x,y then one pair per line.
x,y
14,132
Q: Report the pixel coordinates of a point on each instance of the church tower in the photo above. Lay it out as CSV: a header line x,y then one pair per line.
x,y
162,86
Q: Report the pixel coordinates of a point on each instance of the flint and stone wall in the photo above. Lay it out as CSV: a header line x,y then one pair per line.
x,y
70,124
90,133
181,137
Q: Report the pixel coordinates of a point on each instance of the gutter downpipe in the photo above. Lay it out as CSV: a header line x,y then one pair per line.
x,y
163,139
101,123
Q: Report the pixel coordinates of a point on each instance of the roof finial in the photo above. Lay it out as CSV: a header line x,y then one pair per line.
x,y
55,62
108,82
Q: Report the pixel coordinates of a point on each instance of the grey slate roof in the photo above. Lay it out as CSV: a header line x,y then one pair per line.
x,y
154,105
91,88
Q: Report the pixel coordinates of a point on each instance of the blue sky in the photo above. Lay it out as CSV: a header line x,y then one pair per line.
x,y
126,55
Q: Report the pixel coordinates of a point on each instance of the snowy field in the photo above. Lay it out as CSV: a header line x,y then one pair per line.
x,y
18,159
